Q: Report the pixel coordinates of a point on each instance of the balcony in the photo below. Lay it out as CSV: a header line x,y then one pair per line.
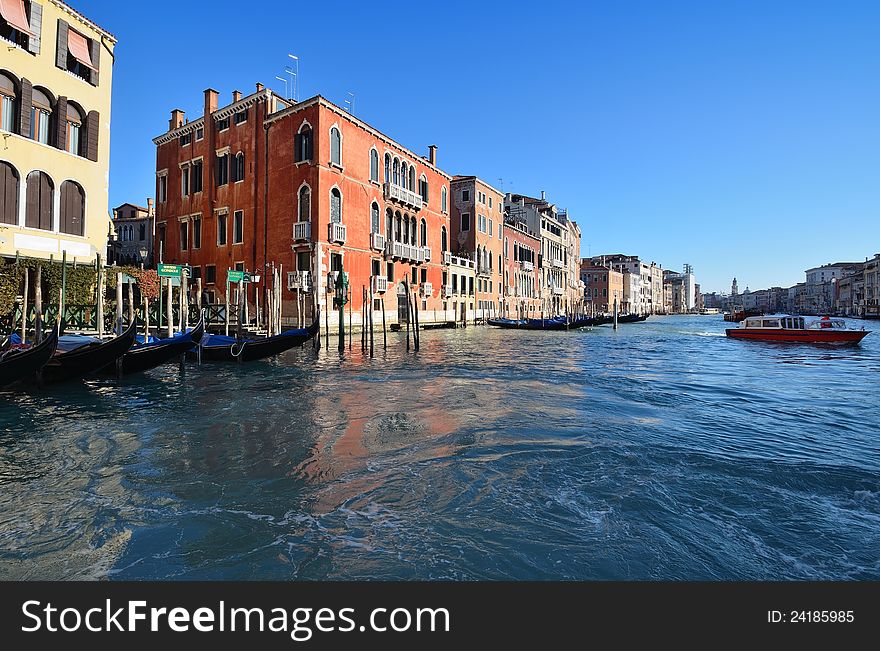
x,y
380,284
302,231
558,291
447,258
461,262
427,289
446,291
402,195
483,270
402,251
336,232
426,254
419,254
558,264
377,241
299,280
527,265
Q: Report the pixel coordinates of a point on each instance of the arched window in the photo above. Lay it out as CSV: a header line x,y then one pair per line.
x,y
238,167
303,143
73,210
423,187
444,244
423,235
38,209
374,217
75,121
403,169
406,229
9,181
505,247
396,178
398,222
412,231
374,165
305,204
8,101
387,168
444,198
412,179
336,206
41,111
389,223
335,146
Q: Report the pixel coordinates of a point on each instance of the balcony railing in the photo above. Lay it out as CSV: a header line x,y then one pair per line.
x,y
427,289
401,194
559,264
380,284
302,231
461,262
299,280
446,291
558,291
377,241
528,265
426,254
404,251
447,257
483,270
336,232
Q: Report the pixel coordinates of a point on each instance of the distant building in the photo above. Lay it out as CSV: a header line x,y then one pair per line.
x,y
131,238
734,288
821,286
521,271
602,285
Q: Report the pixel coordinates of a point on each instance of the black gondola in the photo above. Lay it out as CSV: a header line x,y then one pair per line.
x,y
143,357
631,318
558,323
89,358
18,365
218,348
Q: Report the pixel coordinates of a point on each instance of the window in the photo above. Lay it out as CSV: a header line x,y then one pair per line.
x,y
73,204
396,174
335,206
238,167
184,235
387,168
335,146
221,228
196,272
9,184
16,28
195,176
223,124
424,274
444,245
41,110
238,227
223,169
197,232
443,199
142,232
184,180
210,274
390,271
374,166
423,188
78,55
374,218
74,128
465,195
185,139
491,229
423,235
161,234
305,204
303,145
335,262
490,202
412,178
39,207
465,221
162,192
7,103
200,134
241,116
415,276
403,171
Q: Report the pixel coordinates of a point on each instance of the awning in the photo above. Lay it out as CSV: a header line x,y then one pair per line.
x,y
13,13
79,48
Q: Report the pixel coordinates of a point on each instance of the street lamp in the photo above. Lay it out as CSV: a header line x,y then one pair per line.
x,y
296,84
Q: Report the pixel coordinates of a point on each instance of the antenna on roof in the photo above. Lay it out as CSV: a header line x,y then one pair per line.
x,y
350,103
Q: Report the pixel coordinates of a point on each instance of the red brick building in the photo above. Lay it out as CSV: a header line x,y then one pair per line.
x,y
602,284
477,222
522,296
306,187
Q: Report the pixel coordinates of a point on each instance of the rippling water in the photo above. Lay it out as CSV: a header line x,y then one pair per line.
x,y
662,450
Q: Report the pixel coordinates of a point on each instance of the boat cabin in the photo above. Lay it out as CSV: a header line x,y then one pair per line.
x,y
792,323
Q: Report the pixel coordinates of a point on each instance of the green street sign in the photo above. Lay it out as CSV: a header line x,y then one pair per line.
x,y
170,270
233,276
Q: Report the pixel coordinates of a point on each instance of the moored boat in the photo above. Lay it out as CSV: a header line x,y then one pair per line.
x,y
791,329
219,348
143,357
88,358
22,364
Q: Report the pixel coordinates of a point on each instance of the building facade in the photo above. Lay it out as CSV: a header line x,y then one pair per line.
x,y
56,73
602,287
262,184
476,224
131,236
521,270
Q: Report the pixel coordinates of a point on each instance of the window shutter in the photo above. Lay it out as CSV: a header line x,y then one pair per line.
x,y
36,28
61,123
24,110
61,53
93,122
297,147
95,53
308,137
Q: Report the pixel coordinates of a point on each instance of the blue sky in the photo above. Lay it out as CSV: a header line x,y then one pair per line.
x,y
740,137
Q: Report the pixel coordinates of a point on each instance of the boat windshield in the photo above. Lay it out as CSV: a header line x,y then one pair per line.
x,y
825,322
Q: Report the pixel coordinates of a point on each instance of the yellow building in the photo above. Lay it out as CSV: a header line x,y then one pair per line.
x,y
56,71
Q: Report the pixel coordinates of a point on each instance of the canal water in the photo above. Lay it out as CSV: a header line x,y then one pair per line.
x,y
661,451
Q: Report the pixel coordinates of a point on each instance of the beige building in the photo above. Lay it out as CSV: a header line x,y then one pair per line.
x,y
131,236
56,72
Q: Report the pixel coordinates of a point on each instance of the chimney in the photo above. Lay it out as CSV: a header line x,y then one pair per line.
x,y
176,119
149,207
543,197
211,96
259,87
432,155
236,95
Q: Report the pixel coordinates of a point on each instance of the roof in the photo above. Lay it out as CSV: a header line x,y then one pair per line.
x,y
87,21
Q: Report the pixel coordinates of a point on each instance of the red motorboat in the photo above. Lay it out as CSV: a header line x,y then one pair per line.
x,y
797,329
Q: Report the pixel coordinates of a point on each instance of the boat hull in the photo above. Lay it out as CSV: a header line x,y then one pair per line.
x,y
143,358
248,350
88,359
22,365
799,336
